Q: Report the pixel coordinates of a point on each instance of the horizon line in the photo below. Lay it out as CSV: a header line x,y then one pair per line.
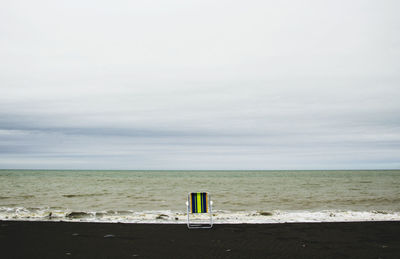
x,y
53,169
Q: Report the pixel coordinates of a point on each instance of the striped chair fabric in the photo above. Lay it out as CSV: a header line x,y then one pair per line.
x,y
198,202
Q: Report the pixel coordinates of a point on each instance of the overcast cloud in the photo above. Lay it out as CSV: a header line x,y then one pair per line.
x,y
199,84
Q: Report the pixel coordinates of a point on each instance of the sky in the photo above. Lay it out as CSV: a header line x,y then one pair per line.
x,y
179,85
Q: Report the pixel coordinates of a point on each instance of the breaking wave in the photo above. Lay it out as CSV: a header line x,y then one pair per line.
x,y
179,217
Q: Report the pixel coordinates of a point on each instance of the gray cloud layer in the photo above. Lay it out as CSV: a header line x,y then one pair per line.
x,y
199,84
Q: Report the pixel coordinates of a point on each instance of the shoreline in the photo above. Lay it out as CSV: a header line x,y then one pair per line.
x,y
49,239
180,217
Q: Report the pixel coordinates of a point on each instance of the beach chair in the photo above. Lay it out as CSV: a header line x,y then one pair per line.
x,y
199,202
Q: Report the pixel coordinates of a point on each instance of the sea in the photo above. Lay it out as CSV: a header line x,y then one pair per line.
x,y
238,196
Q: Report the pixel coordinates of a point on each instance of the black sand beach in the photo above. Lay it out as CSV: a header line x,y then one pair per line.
x,y
20,239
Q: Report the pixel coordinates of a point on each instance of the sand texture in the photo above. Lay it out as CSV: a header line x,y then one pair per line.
x,y
22,239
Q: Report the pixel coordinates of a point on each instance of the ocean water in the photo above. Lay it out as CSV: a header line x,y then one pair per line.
x,y
238,196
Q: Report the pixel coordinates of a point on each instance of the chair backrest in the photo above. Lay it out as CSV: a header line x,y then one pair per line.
x,y
198,202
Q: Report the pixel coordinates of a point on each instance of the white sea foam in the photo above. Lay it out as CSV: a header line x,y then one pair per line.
x,y
179,217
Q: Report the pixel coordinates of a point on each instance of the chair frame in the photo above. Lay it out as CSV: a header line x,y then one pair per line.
x,y
199,225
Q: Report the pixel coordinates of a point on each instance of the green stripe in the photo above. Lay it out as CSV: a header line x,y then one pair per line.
x,y
198,201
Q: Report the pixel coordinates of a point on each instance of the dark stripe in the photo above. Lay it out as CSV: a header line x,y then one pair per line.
x,y
201,201
204,202
194,202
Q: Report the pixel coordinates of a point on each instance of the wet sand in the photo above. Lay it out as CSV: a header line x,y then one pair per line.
x,y
21,239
